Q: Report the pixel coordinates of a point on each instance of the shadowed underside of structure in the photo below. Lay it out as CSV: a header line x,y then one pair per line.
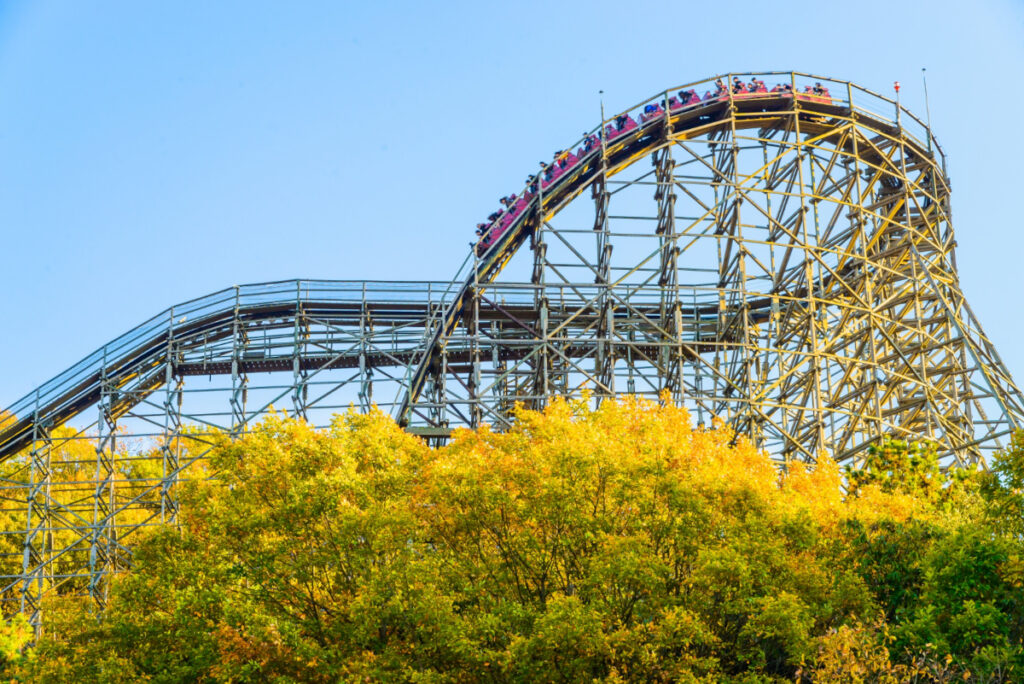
x,y
781,260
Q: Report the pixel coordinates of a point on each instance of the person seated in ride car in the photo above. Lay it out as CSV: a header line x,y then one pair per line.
x,y
684,96
737,85
818,90
620,122
719,88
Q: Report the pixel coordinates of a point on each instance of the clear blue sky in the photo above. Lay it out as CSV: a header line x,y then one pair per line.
x,y
153,152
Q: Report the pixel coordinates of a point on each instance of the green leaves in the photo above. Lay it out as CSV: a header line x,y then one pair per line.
x,y
898,466
1003,488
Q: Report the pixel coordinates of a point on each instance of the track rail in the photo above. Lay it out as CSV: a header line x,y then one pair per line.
x,y
618,151
141,364
137,358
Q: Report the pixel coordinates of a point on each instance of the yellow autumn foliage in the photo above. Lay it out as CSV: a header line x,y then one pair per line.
x,y
616,543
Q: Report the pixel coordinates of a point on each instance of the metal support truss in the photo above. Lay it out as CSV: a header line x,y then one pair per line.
x,y
783,262
103,551
38,543
170,446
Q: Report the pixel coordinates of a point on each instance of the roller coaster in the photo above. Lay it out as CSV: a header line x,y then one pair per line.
x,y
779,259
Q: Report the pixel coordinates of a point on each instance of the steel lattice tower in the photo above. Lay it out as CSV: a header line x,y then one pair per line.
x,y
781,260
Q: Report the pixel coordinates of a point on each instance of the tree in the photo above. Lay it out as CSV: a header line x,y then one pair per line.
x,y
1003,488
612,544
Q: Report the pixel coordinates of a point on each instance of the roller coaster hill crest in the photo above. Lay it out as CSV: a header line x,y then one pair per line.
x,y
777,253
